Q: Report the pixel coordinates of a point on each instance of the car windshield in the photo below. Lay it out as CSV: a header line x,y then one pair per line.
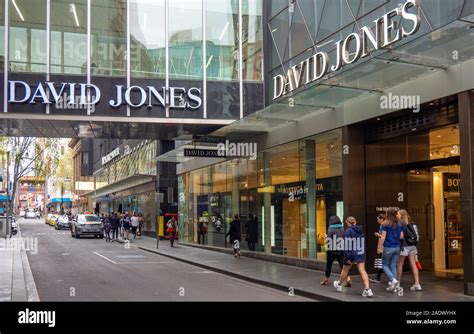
x,y
88,218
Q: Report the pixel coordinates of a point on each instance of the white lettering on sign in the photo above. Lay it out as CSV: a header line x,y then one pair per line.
x,y
115,153
387,31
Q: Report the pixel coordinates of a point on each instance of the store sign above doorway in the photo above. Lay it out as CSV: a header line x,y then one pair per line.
x,y
135,97
350,49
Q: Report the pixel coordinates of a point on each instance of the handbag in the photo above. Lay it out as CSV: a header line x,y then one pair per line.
x,y
418,264
170,230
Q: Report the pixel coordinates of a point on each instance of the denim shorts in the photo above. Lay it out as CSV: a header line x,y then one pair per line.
x,y
409,250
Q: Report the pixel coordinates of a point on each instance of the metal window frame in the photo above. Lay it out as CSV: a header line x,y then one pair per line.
x,y
6,56
241,71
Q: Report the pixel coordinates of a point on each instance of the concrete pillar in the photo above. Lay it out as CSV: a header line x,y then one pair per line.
x,y
311,198
267,204
466,127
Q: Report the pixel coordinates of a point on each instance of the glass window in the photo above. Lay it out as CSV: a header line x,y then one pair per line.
x,y
222,36
27,36
109,37
252,44
147,29
185,39
68,37
2,27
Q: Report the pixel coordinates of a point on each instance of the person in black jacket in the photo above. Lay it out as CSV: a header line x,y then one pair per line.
x,y
235,235
114,221
252,232
335,237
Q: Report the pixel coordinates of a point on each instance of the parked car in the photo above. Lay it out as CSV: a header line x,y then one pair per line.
x,y
48,217
22,213
63,221
30,214
52,221
87,224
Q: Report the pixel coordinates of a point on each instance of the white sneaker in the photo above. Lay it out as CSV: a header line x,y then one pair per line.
x,y
416,288
367,293
394,286
337,286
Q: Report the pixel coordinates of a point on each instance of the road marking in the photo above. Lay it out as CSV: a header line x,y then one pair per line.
x,y
104,257
130,256
132,263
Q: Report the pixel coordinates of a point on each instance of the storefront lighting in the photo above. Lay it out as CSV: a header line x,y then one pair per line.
x,y
223,31
209,61
72,8
18,10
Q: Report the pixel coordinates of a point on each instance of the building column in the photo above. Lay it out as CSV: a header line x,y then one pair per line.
x,y
311,198
353,183
466,127
267,205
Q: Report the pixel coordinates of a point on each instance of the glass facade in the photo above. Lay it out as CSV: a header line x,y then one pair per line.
x,y
293,189
68,37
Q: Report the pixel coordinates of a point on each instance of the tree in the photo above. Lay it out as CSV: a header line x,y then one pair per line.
x,y
27,156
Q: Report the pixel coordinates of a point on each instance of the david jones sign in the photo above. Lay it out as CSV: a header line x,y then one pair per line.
x,y
386,33
89,94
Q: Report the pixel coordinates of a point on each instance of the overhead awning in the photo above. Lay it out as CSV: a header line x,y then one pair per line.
x,y
432,49
127,183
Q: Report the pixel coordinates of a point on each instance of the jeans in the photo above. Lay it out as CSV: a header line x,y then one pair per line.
x,y
390,260
201,236
115,233
331,256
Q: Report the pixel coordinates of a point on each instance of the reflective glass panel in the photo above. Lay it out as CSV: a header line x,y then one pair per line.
x,y
147,49
109,37
68,37
185,39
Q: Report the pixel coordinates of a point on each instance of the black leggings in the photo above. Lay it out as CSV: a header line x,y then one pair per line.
x,y
331,256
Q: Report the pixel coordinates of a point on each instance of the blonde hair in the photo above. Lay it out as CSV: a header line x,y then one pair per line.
x,y
406,219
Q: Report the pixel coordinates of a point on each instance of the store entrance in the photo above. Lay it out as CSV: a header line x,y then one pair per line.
x,y
420,172
434,203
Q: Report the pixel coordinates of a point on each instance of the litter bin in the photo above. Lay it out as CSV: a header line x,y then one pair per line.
x,y
5,227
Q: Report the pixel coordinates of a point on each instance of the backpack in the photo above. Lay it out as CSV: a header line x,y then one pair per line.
x,y
412,236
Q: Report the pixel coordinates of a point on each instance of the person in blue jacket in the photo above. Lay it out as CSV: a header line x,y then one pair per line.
x,y
354,253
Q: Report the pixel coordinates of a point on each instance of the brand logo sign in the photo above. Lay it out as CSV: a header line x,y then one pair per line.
x,y
115,153
349,50
88,94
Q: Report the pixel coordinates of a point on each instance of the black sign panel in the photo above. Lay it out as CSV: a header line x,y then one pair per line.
x,y
201,153
452,182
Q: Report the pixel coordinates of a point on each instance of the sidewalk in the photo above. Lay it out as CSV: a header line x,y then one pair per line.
x,y
305,282
16,280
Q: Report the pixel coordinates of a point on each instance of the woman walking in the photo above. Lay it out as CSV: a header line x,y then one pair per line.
x,y
354,234
409,242
389,246
172,229
378,258
235,235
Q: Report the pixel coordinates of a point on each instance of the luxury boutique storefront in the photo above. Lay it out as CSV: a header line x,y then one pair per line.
x,y
391,129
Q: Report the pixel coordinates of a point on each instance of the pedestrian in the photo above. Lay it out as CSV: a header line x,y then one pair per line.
x,y
107,228
126,227
252,232
378,259
235,235
172,229
409,242
389,246
114,221
141,223
354,255
334,236
135,223
202,230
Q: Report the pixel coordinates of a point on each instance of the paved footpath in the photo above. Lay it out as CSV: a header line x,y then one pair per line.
x,y
16,279
303,281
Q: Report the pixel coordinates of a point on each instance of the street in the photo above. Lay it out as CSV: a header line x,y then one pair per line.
x,y
89,269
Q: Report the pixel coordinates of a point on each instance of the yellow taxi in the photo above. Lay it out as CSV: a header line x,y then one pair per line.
x,y
51,219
